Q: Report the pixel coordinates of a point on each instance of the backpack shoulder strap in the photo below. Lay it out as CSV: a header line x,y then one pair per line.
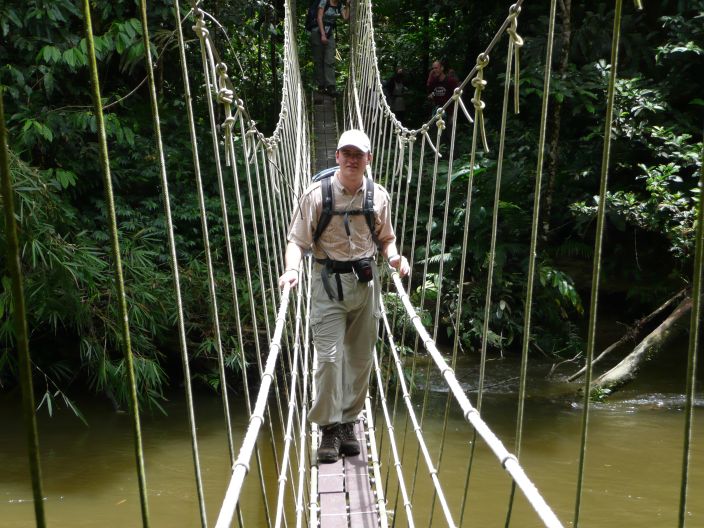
x,y
368,208
328,206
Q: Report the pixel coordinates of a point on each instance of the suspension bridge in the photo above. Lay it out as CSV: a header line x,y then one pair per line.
x,y
266,174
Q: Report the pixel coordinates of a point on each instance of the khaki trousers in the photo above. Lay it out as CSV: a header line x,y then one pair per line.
x,y
344,334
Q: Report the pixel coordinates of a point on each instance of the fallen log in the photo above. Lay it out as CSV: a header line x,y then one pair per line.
x,y
675,324
631,334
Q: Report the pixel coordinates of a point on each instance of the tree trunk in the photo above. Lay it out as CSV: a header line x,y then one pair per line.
x,y
632,333
676,324
553,144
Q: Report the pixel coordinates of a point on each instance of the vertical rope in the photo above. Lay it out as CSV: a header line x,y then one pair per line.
x,y
20,324
202,33
596,269
694,329
478,129
209,265
119,281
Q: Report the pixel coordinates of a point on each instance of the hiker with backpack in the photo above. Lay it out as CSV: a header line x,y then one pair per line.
x,y
320,22
343,220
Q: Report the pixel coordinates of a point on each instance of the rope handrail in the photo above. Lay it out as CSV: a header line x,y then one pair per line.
x,y
241,465
508,461
288,434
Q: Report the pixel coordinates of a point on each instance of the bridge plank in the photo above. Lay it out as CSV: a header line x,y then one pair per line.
x,y
331,483
325,131
333,508
362,501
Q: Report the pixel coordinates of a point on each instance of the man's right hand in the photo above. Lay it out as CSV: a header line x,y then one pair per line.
x,y
289,277
324,39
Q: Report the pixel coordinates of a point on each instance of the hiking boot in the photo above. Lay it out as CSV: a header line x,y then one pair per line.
x,y
349,445
329,448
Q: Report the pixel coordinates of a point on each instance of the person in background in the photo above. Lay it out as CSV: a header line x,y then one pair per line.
x,y
395,90
322,43
441,84
345,286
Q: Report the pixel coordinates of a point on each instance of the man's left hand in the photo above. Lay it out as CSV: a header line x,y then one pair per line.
x,y
400,264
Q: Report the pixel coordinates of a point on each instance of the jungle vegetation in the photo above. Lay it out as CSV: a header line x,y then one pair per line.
x,y
75,344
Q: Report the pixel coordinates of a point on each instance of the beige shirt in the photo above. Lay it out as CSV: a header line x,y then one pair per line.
x,y
334,242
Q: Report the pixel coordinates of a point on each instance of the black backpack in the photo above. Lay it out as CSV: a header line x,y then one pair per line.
x,y
312,14
328,211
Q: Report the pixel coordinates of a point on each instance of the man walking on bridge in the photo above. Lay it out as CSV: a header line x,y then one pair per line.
x,y
342,220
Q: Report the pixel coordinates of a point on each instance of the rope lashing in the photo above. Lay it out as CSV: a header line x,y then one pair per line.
x,y
479,84
225,93
515,43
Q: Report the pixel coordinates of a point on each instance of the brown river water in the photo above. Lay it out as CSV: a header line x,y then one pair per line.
x,y
632,476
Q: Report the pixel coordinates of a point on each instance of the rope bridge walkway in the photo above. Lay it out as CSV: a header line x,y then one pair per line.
x,y
265,175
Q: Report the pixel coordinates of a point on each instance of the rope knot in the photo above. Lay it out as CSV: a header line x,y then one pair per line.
x,y
514,45
199,27
225,95
479,85
482,61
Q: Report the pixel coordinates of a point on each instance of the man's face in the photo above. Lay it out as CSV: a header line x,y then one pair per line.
x,y
437,68
352,161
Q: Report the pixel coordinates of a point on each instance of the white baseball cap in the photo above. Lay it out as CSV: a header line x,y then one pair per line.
x,y
355,138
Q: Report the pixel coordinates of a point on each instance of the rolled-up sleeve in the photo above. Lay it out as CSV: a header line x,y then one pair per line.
x,y
301,229
384,229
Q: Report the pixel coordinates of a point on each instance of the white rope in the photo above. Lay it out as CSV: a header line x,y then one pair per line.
x,y
508,461
241,465
288,434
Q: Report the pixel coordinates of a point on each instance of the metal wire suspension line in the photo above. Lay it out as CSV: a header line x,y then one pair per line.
x,y
694,329
288,434
209,263
300,510
117,260
528,305
202,32
492,246
596,269
20,313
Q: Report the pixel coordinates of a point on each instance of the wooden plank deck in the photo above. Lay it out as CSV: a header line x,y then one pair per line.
x,y
346,497
325,132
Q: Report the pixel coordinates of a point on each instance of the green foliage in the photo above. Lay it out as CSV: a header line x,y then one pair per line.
x,y
61,210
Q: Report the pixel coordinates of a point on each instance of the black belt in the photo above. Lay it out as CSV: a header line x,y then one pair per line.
x,y
334,266
337,266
